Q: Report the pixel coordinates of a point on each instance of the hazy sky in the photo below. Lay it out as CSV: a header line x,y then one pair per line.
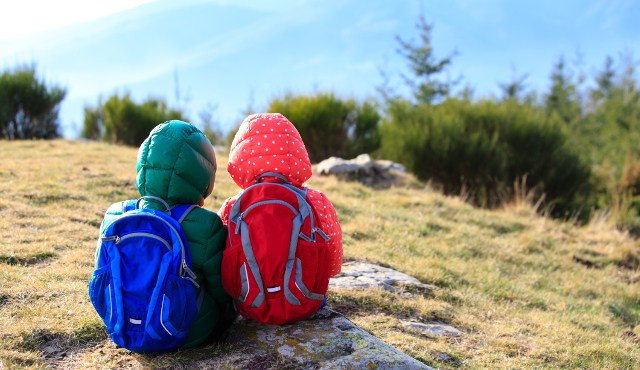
x,y
231,54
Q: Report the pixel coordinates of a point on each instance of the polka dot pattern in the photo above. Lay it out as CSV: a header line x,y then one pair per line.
x,y
328,222
268,142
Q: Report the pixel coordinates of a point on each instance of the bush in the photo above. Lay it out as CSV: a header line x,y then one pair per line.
x,y
481,149
28,107
331,126
123,121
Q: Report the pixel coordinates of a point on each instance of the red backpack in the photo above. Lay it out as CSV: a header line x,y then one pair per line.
x,y
276,264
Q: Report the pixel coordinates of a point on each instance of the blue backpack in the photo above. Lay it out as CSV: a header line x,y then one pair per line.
x,y
143,287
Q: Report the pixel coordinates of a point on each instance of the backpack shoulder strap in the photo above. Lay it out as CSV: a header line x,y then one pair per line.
x,y
272,174
129,205
179,212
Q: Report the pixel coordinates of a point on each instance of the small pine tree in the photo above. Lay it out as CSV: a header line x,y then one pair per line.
x,y
427,88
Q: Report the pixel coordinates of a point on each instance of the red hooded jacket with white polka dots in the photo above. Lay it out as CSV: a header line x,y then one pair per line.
x,y
268,142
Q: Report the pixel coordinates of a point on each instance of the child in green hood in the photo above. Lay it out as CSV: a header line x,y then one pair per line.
x,y
177,163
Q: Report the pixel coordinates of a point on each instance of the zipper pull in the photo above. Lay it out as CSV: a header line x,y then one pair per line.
x,y
322,234
113,238
186,269
238,221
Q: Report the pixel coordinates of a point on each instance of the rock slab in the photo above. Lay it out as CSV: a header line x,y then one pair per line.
x,y
367,275
326,341
439,330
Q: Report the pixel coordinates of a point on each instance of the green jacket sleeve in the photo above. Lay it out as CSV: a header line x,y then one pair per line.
x,y
207,238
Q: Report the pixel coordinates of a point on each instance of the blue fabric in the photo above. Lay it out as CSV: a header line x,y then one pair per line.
x,y
324,302
139,287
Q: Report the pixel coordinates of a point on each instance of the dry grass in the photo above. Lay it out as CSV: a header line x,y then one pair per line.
x,y
526,290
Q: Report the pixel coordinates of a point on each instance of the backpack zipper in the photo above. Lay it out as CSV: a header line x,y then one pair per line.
x,y
146,235
113,238
263,202
183,267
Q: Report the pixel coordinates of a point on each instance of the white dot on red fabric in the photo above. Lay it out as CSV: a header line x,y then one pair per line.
x,y
281,148
267,149
267,162
258,143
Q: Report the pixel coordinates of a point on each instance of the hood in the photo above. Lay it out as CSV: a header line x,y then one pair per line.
x,y
176,163
268,142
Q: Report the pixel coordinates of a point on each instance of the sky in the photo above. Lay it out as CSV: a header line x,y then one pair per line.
x,y
227,56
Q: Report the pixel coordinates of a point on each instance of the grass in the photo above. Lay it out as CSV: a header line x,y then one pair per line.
x,y
526,290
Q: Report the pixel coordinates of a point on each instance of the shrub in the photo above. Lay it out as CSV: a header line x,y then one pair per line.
x,y
28,107
331,126
481,149
123,121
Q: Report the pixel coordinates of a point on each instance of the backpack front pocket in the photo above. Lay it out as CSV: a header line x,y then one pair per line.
x,y
101,294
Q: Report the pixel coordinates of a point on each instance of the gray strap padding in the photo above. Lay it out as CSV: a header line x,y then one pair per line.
x,y
301,195
272,174
293,244
201,297
244,280
157,199
251,260
302,287
184,215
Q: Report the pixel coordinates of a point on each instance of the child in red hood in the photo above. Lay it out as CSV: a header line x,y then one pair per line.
x,y
268,142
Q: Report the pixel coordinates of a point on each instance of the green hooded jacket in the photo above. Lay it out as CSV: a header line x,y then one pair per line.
x,y
177,163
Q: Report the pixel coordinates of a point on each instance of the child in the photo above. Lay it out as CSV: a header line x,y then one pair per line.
x,y
268,148
177,163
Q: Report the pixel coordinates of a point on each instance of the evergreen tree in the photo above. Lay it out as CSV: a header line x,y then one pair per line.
x,y
427,88
514,88
562,99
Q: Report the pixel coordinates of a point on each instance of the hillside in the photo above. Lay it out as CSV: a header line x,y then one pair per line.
x,y
527,291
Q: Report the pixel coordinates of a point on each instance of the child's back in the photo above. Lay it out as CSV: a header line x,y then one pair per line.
x,y
177,164
269,143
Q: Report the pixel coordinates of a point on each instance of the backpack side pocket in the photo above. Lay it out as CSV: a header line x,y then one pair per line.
x,y
311,272
102,296
231,271
177,306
